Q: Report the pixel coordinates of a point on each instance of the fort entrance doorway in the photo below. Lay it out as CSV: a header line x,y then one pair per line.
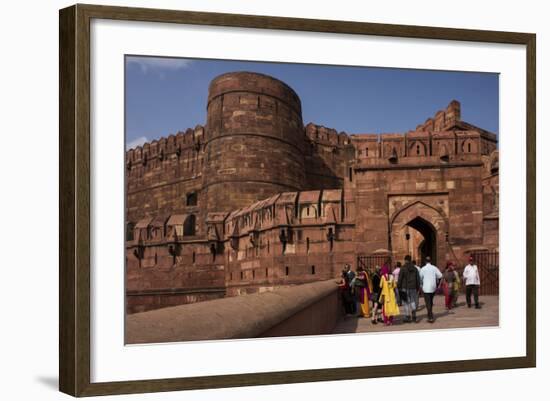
x,y
419,230
421,240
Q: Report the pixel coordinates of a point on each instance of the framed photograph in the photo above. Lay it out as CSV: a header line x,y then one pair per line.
x,y
249,200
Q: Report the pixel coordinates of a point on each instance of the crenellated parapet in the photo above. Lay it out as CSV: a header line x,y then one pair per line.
x,y
443,119
166,148
443,138
321,135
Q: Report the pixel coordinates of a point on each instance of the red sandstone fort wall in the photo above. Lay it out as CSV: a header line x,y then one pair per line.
x,y
327,157
254,200
161,174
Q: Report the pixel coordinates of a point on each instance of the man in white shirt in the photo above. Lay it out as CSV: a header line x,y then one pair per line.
x,y
429,274
472,282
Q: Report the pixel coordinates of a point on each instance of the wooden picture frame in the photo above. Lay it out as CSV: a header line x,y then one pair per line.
x,y
74,204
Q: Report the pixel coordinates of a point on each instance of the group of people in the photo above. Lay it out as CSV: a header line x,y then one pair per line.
x,y
379,294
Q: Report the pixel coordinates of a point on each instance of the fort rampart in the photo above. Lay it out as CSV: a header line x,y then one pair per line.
x,y
255,200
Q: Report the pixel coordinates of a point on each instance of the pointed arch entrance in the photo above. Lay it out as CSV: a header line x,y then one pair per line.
x,y
419,229
424,244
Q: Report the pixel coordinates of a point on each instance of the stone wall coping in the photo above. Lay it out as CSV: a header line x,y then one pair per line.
x,y
245,316
173,291
412,162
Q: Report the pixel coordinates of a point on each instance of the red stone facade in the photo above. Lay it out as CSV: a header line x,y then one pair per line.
x,y
255,200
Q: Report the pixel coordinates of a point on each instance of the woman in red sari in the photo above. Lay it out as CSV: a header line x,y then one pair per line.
x,y
448,284
362,288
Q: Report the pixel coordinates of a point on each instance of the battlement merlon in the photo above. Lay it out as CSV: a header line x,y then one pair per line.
x,y
326,136
191,138
443,119
451,119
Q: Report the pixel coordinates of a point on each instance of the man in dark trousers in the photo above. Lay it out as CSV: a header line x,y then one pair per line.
x,y
409,286
350,274
429,275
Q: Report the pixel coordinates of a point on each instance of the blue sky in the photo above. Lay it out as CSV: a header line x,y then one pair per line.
x,y
166,95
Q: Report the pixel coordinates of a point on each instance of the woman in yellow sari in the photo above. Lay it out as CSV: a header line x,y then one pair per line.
x,y
387,296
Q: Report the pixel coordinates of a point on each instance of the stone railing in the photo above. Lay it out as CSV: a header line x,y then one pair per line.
x,y
305,309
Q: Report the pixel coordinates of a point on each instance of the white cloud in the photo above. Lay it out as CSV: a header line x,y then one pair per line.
x,y
159,64
136,142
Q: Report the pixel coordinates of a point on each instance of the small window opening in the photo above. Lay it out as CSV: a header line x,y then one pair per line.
x,y
130,227
189,225
191,199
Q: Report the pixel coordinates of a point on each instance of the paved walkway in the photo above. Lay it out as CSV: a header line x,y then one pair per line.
x,y
460,317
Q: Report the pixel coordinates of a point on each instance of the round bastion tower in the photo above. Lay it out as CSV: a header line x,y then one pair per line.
x,y
254,140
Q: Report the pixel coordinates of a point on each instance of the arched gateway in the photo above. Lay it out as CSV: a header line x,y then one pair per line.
x,y
419,229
